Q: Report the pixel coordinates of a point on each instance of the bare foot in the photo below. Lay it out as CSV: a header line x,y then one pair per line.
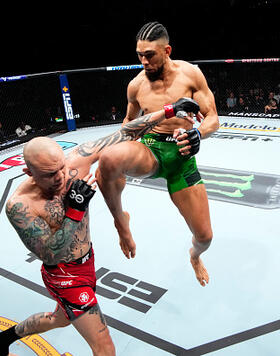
x,y
127,243
199,269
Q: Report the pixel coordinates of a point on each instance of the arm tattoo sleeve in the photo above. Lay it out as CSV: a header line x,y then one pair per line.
x,y
36,234
129,132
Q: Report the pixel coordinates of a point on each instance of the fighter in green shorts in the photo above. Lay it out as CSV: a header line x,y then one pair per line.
x,y
179,171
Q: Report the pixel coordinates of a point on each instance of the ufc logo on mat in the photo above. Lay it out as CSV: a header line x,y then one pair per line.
x,y
127,290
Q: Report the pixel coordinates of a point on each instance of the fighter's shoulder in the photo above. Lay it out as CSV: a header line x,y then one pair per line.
x,y
188,68
17,205
136,82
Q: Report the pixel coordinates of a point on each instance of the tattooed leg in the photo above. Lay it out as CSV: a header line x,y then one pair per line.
x,y
41,322
36,323
92,326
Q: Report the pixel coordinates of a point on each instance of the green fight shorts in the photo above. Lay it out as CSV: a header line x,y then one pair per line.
x,y
179,171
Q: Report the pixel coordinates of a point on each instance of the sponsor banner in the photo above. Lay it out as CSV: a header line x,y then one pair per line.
x,y
65,91
254,114
12,78
258,190
243,124
125,67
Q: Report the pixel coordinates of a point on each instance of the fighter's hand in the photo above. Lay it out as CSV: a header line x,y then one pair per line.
x,y
188,140
128,247
184,108
79,196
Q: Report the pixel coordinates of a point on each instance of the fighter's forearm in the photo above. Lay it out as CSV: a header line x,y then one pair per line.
x,y
209,125
142,125
129,132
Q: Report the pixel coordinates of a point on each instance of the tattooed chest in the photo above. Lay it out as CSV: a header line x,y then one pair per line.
x,y
54,212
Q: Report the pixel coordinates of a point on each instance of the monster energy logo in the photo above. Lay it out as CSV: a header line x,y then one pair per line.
x,y
233,185
247,188
149,141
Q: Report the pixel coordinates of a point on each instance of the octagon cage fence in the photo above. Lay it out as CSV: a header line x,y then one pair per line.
x,y
45,103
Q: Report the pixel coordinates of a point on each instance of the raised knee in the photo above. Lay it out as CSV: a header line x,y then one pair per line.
x,y
204,236
108,164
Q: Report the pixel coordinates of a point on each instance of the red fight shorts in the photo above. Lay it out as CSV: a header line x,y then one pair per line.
x,y
72,285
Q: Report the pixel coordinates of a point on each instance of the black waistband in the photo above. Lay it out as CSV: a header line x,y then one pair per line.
x,y
81,260
162,137
78,261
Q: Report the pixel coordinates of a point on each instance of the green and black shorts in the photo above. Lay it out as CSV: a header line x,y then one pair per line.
x,y
179,171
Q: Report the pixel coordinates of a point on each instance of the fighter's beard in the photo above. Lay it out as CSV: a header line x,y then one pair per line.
x,y
153,76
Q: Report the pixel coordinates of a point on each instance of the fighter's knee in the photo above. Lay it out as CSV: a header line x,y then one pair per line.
x,y
204,235
108,163
104,345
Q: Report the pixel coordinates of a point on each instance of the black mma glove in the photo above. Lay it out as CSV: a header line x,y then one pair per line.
x,y
184,104
194,137
78,197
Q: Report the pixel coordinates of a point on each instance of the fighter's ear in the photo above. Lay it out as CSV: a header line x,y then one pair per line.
x,y
27,171
168,49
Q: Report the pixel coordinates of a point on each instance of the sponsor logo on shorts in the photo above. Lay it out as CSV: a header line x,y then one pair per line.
x,y
86,258
149,141
84,297
66,283
170,139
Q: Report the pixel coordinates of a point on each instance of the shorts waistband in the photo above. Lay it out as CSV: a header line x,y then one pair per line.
x,y
162,137
78,261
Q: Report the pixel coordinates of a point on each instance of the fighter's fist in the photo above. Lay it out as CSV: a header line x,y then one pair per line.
x,y
78,197
184,105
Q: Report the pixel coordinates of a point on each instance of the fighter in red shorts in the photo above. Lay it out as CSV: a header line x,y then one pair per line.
x,y
72,285
49,211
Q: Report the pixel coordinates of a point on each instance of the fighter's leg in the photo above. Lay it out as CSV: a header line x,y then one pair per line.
x,y
92,326
35,324
115,162
42,322
192,203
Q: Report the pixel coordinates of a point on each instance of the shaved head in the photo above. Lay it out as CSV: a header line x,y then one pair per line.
x,y
40,150
46,164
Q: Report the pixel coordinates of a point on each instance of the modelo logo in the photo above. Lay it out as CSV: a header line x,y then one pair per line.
x,y
68,106
253,127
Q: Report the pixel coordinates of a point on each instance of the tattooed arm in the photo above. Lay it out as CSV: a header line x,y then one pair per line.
x,y
36,234
129,132
136,128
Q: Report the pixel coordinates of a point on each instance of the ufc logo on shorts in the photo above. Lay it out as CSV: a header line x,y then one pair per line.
x,y
66,283
77,197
